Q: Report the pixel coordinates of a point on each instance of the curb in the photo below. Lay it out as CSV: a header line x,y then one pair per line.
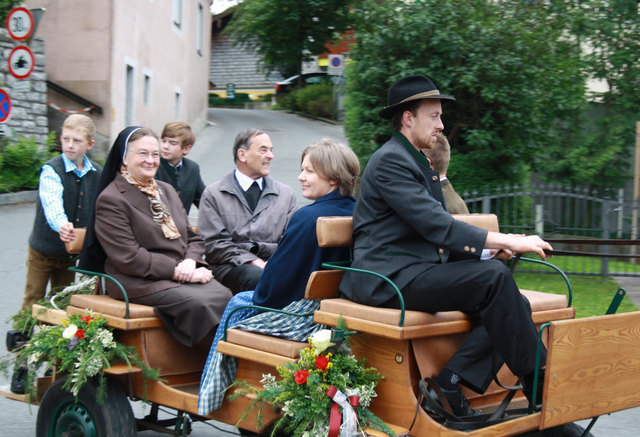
x,y
19,197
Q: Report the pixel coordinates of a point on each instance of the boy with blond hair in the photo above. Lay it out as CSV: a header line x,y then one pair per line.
x,y
177,140
67,193
66,196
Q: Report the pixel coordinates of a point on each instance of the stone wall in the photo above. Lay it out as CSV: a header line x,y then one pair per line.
x,y
28,96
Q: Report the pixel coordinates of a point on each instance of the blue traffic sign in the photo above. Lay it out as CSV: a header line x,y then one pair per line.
x,y
5,106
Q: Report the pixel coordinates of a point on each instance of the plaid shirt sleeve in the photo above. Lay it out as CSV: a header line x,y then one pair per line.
x,y
50,192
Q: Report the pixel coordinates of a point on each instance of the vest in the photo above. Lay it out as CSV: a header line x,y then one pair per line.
x,y
78,197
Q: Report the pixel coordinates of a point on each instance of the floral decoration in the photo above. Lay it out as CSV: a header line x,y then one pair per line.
x,y
302,396
82,347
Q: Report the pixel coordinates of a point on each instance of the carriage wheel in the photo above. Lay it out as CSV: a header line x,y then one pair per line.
x,y
61,415
566,430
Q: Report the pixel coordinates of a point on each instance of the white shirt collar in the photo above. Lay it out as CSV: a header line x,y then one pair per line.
x,y
245,181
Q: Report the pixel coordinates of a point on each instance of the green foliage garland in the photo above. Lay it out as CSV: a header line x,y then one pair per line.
x,y
82,347
301,390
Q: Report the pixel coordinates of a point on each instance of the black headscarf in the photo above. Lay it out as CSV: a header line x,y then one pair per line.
x,y
92,256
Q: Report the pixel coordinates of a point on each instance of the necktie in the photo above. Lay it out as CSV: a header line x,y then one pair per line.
x,y
252,195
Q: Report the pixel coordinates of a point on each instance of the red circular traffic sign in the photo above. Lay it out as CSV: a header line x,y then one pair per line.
x,y
20,23
21,62
5,106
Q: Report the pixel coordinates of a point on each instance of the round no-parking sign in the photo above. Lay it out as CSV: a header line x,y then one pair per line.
x,y
20,23
5,106
21,62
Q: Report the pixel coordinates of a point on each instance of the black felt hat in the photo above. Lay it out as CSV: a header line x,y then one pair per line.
x,y
410,88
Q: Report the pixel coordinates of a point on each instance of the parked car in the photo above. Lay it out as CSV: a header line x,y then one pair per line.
x,y
285,86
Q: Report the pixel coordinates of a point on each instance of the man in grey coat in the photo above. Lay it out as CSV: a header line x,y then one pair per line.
x,y
401,229
243,216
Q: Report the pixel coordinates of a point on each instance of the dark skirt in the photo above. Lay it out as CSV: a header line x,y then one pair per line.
x,y
190,312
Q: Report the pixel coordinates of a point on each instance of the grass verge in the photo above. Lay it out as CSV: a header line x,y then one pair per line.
x,y
591,294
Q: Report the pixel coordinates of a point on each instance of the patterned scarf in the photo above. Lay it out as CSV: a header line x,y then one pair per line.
x,y
159,210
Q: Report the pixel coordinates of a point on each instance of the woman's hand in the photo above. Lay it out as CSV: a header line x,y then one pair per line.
x,y
202,275
258,262
184,270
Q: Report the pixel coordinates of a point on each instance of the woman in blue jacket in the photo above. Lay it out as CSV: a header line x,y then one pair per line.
x,y
328,175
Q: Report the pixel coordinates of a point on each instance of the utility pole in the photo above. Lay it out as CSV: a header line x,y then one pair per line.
x,y
636,188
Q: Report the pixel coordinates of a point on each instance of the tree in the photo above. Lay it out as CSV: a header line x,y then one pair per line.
x,y
515,67
595,148
5,8
287,32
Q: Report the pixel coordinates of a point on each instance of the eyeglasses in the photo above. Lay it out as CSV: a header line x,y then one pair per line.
x,y
144,155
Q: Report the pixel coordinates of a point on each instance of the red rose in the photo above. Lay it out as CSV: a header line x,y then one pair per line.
x,y
86,319
80,334
322,362
301,376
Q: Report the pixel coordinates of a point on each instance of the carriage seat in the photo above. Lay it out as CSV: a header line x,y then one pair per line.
x,y
386,322
140,316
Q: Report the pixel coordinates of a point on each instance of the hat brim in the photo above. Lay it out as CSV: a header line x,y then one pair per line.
x,y
388,111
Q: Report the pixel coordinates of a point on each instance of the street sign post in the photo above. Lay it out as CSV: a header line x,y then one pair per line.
x,y
336,65
21,62
20,23
5,106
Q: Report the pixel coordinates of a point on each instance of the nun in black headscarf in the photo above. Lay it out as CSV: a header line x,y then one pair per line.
x,y
140,234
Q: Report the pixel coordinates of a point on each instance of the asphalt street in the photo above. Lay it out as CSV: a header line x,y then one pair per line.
x,y
290,134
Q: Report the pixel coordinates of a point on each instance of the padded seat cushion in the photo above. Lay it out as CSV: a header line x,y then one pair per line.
x,y
266,343
110,306
539,302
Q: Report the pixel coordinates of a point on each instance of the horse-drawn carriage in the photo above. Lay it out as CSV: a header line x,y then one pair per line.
x,y
590,369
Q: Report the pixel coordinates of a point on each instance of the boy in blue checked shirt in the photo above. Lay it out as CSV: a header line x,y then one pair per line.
x,y
67,194
66,197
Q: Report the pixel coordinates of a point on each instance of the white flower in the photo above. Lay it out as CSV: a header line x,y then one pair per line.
x,y
34,357
70,331
321,340
268,381
106,338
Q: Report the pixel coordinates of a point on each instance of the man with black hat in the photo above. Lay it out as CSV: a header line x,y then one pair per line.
x,y
402,230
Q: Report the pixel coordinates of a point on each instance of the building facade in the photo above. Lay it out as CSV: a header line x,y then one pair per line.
x,y
142,62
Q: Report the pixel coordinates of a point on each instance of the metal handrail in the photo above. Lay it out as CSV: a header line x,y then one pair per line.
x,y
339,266
563,274
111,278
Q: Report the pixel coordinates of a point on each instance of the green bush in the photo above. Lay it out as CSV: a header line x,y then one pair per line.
x,y
20,162
324,107
239,100
265,98
316,99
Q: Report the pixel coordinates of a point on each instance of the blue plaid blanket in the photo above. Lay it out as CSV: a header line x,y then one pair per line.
x,y
220,370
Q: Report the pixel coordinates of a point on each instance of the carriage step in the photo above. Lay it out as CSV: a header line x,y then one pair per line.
x,y
122,369
397,430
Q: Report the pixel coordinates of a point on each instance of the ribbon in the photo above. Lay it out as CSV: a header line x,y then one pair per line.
x,y
349,417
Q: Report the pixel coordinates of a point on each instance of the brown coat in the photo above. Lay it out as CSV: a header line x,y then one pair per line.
x,y
138,254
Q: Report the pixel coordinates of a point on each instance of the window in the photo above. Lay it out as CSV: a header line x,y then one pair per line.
x,y
177,13
147,89
128,95
177,103
199,26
